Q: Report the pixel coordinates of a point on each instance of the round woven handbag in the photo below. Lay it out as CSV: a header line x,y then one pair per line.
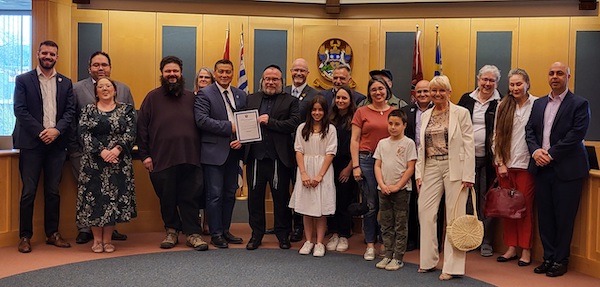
x,y
465,232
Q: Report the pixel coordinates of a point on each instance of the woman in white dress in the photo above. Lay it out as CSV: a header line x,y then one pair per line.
x,y
314,191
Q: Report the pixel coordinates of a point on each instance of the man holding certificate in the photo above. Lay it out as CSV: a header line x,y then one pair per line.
x,y
220,149
270,160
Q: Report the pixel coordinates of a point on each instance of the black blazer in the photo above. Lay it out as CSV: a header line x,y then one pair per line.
x,y
308,94
283,121
570,160
411,121
29,111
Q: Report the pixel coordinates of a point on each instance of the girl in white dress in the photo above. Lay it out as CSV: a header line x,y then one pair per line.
x,y
314,191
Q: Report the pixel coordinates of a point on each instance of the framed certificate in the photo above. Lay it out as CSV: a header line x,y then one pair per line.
x,y
247,128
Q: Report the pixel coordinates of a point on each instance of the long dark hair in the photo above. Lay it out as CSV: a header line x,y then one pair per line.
x,y
505,119
336,117
310,122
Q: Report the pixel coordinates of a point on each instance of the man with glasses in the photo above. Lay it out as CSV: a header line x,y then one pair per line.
x,y
85,93
270,160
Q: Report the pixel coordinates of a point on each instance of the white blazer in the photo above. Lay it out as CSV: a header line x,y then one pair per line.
x,y
461,149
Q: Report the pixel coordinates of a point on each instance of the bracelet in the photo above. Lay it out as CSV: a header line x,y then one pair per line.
x,y
355,167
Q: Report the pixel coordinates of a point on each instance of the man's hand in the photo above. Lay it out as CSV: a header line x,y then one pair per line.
x,y
235,144
148,164
263,119
541,157
49,135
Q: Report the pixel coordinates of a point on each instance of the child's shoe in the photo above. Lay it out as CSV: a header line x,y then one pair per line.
x,y
383,263
369,254
306,248
395,264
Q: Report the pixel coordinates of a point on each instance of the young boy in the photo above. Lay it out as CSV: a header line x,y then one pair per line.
x,y
395,159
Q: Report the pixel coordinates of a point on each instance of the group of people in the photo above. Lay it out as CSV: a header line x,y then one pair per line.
x,y
406,161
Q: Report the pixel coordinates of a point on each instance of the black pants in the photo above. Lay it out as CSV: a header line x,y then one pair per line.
x,y
277,175
50,159
179,190
557,204
484,176
345,194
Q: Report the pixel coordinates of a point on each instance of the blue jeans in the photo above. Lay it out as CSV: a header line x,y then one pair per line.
x,y
368,186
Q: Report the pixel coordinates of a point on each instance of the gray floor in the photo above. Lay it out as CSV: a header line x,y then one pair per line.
x,y
231,267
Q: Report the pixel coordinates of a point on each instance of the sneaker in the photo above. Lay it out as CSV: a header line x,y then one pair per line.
x,y
342,244
319,250
369,254
195,241
170,240
306,248
486,250
333,242
395,264
384,262
382,251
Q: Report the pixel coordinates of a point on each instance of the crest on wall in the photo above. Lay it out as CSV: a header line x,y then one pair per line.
x,y
332,53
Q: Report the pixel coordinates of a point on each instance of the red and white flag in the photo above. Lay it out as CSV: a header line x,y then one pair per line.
x,y
226,50
417,68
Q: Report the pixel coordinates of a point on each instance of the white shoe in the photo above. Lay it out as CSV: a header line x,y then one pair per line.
x,y
395,264
319,250
306,248
342,244
369,254
384,262
333,242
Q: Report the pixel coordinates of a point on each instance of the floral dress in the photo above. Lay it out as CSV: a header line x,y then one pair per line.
x,y
106,191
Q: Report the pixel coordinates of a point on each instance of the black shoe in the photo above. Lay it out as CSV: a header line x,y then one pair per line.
x,y
285,244
504,259
254,243
557,269
230,238
545,267
84,237
296,235
523,263
219,241
270,231
118,236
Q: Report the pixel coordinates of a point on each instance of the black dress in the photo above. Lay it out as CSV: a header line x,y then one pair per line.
x,y
106,191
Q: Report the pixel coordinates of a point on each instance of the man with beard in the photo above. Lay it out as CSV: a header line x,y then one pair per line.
x,y
341,76
221,150
270,161
44,108
85,93
169,146
304,93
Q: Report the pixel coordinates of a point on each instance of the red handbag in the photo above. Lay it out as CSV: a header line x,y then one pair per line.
x,y
504,202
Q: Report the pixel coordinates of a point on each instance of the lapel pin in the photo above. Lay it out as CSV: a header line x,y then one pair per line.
x,y
59,80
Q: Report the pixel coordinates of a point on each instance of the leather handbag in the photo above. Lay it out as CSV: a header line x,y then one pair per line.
x,y
504,202
465,232
360,208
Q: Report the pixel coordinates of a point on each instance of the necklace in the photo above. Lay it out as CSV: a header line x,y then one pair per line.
x,y
381,111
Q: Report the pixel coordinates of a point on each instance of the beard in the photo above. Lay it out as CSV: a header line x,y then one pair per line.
x,y
173,89
269,91
45,65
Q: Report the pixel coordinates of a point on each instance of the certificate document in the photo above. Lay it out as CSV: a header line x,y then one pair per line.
x,y
247,128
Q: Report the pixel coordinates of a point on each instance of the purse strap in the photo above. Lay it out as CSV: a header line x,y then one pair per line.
x,y
510,179
472,201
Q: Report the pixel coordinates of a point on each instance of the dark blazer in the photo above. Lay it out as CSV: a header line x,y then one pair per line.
x,y
570,125
85,93
307,94
283,121
28,107
211,119
411,121
329,96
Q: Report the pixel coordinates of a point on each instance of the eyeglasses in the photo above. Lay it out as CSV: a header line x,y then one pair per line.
x,y
203,77
488,80
272,80
374,90
107,86
299,70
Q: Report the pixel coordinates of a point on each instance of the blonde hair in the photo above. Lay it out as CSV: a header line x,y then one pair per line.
x,y
441,81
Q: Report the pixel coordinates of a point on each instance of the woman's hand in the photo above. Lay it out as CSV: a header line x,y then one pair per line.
x,y
418,182
316,180
357,173
108,156
148,164
466,184
502,171
345,174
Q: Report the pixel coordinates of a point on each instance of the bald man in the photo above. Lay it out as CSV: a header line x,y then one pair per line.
x,y
554,134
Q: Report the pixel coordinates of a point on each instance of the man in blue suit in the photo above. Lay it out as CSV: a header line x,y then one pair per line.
x,y
555,133
44,108
220,150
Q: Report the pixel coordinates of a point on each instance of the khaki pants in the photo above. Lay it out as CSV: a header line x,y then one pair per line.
x,y
435,183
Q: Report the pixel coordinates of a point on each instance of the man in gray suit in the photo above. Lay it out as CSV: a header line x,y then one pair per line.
x,y
85,93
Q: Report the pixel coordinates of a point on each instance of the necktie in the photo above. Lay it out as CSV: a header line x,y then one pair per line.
x,y
226,94
295,93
